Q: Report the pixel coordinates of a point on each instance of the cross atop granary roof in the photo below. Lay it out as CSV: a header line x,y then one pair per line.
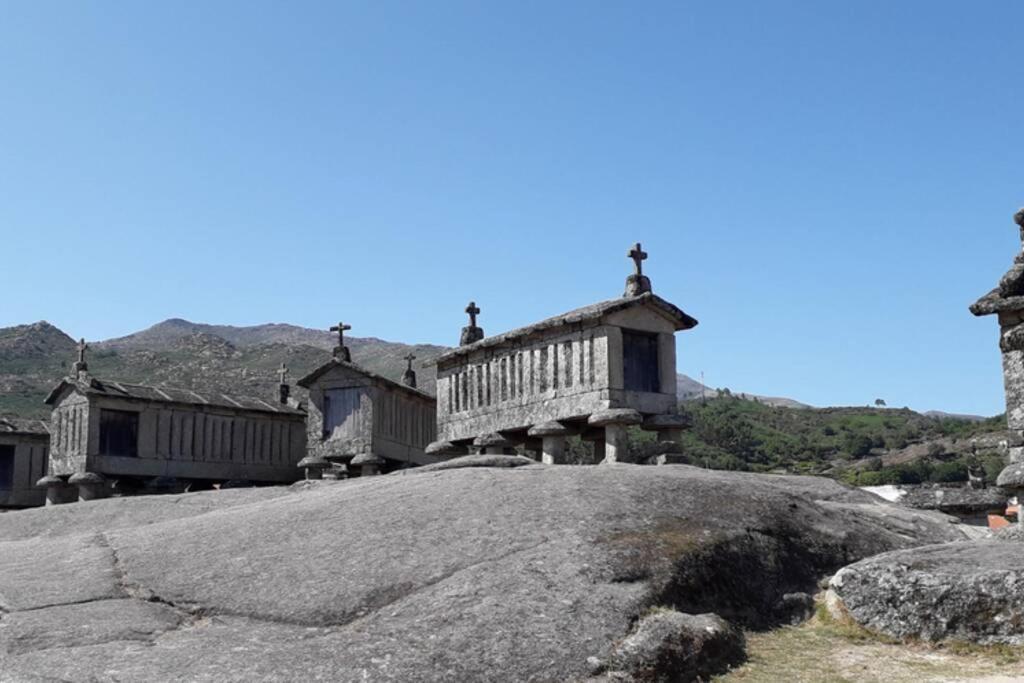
x,y
80,366
637,283
282,373
341,351
639,256
471,333
473,311
409,376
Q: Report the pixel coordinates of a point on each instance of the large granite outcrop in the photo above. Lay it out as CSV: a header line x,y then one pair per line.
x,y
953,591
524,573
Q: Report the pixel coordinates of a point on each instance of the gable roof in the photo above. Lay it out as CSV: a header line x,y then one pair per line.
x,y
18,425
333,363
681,320
99,387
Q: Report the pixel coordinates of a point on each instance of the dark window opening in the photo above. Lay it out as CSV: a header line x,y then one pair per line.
x,y
640,361
6,467
119,433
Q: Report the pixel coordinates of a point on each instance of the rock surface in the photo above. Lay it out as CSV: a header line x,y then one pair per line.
x,y
971,591
428,575
672,646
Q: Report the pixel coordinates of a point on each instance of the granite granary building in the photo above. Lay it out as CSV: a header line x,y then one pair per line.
x,y
593,371
24,446
362,423
105,431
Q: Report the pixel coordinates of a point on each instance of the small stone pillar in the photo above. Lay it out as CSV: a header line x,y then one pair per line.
x,y
91,486
554,439
615,421
1006,301
445,449
336,471
314,466
669,428
494,444
368,463
58,490
1011,481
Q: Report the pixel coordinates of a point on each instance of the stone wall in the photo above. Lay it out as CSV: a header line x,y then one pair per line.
x,y
31,453
71,424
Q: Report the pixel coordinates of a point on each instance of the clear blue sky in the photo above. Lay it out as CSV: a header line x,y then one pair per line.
x,y
826,186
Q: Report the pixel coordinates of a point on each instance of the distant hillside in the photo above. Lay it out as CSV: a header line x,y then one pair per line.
x,y
241,360
690,389
864,446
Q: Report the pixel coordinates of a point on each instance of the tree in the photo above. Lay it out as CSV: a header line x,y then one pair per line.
x,y
880,403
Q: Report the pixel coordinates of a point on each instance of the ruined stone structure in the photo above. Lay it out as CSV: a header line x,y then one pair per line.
x,y
105,431
1007,301
362,423
24,451
592,371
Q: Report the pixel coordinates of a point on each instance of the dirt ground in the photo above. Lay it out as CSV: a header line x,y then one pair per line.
x,y
822,650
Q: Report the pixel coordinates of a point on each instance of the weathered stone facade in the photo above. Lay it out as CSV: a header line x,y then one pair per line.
x,y
129,433
592,371
365,423
1007,302
24,452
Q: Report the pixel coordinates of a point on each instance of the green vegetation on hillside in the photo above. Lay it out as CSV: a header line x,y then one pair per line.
x,y
738,434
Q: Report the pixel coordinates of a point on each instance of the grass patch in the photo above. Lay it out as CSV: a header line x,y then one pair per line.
x,y
826,649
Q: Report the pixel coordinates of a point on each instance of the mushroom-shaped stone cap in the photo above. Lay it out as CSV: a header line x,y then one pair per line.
x,y
1012,477
367,459
492,440
550,428
313,462
86,478
1018,217
659,422
51,480
615,416
444,448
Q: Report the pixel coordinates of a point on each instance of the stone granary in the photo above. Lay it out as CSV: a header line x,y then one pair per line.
x,y
104,431
362,423
592,371
24,446
1007,302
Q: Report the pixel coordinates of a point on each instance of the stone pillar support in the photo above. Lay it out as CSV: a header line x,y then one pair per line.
x,y
668,427
314,466
554,436
369,463
494,444
58,490
1011,481
91,486
615,421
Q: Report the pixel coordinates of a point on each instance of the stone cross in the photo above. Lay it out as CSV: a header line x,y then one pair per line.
x,y
82,348
639,256
473,313
282,373
340,329
409,359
